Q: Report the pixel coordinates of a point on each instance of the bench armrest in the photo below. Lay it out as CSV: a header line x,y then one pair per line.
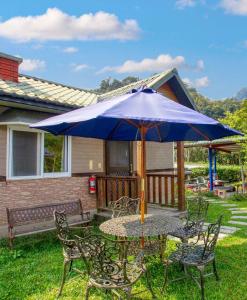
x,y
87,215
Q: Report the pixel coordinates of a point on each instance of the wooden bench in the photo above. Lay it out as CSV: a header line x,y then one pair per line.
x,y
28,217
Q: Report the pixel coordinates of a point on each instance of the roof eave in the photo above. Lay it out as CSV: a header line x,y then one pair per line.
x,y
33,103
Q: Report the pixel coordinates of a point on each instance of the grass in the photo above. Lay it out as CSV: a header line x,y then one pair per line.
x,y
33,270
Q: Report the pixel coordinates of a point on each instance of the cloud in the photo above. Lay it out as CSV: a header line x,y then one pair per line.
x,y
70,50
197,83
235,7
181,4
79,67
199,65
32,65
54,24
158,64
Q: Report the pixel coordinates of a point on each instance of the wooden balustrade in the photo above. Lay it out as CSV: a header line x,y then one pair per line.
x,y
161,189
111,188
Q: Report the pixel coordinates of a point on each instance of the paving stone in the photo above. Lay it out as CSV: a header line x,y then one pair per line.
x,y
238,223
239,217
233,208
224,229
229,205
217,202
243,211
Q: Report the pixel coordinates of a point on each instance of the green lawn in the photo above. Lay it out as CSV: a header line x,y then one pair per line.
x,y
33,270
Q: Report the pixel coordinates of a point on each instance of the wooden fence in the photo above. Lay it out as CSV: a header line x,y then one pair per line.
x,y
161,189
111,188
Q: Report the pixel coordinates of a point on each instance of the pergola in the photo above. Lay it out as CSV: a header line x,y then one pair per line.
x,y
229,145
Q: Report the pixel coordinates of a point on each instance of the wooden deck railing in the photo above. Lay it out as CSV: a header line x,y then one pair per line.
x,y
162,189
111,188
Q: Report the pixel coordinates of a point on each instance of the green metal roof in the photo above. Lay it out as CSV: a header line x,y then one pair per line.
x,y
36,89
47,91
227,144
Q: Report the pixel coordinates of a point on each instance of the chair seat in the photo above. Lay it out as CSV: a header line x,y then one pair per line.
x,y
113,277
191,256
185,232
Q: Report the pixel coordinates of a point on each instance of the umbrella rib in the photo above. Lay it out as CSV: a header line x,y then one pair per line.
x,y
199,132
158,130
114,129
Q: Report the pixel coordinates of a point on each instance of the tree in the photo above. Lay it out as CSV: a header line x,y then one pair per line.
x,y
238,120
110,84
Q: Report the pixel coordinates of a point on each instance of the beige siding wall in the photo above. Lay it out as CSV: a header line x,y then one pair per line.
x,y
3,150
87,155
159,155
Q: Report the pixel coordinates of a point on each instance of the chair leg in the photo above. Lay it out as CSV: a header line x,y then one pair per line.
x,y
201,270
87,291
165,275
149,285
215,270
63,277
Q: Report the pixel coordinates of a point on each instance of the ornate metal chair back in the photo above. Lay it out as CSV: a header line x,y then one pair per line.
x,y
101,257
61,223
197,211
125,206
211,237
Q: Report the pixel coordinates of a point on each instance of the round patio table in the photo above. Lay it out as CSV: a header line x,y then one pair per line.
x,y
131,227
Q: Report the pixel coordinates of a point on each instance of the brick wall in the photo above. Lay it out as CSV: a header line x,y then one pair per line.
x,y
21,193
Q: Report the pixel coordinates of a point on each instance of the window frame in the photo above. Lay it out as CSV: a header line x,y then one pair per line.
x,y
40,154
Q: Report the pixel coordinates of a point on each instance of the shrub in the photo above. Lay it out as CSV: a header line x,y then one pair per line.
x,y
228,173
239,197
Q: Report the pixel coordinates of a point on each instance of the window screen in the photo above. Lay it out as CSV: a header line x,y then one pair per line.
x,y
24,153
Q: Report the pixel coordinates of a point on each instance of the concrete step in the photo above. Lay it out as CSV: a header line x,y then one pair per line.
x,y
230,205
216,202
224,229
243,211
239,217
238,223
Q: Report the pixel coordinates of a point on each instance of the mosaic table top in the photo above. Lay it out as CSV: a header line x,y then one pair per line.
x,y
130,226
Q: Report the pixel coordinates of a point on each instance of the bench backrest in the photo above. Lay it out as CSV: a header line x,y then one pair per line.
x,y
20,216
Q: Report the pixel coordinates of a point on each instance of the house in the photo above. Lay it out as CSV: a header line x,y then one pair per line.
x,y
38,168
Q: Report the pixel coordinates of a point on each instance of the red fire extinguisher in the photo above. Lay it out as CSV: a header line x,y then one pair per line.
x,y
92,184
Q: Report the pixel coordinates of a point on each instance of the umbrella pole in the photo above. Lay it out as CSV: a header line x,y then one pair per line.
x,y
143,172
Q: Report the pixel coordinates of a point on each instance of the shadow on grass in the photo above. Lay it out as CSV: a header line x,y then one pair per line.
x,y
33,271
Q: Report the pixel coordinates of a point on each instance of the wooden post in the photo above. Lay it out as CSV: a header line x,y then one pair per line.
x,y
210,160
181,176
141,169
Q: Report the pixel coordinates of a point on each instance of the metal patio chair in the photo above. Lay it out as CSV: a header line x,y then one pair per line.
x,y
197,209
125,206
198,256
67,239
108,267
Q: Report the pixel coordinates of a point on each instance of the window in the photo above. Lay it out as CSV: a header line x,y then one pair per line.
x,y
55,153
24,153
35,154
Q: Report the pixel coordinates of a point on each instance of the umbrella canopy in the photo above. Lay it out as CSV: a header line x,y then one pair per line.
x,y
122,117
140,115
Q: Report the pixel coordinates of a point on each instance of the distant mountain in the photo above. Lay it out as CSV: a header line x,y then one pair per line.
x,y
242,94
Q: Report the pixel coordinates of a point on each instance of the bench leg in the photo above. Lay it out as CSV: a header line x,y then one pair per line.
x,y
11,237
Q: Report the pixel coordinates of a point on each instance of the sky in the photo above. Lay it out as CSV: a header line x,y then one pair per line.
x,y
79,43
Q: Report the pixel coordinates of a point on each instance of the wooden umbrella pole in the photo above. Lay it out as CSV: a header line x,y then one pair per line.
x,y
143,172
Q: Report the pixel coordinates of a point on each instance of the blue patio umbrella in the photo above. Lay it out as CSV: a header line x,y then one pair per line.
x,y
141,115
